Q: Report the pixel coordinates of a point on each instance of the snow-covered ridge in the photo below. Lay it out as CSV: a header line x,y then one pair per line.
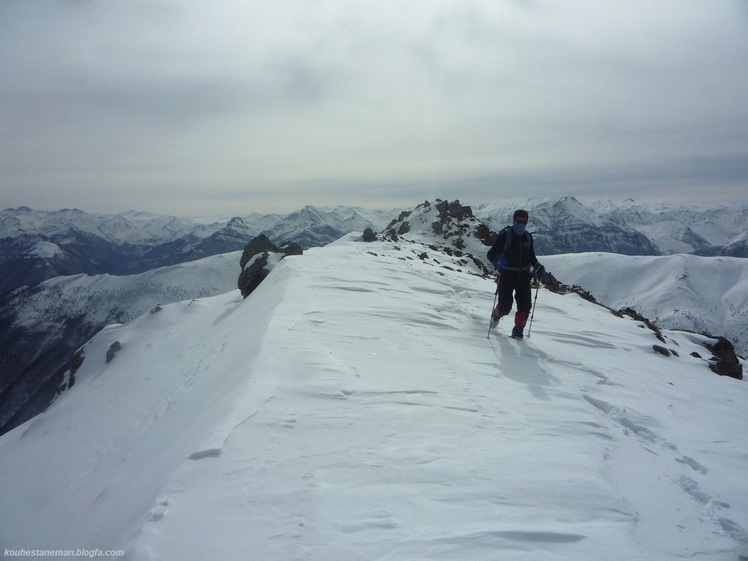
x,y
703,294
353,408
44,325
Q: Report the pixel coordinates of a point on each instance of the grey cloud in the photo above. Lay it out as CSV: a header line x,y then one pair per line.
x,y
285,98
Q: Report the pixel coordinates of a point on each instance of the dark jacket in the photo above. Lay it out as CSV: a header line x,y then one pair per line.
x,y
520,255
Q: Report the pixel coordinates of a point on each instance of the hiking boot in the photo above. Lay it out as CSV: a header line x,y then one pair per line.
x,y
495,316
520,319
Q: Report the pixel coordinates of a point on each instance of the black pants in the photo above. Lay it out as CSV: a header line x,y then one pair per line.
x,y
517,286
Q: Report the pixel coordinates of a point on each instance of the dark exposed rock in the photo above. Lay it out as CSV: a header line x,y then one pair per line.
x,y
76,361
633,314
255,259
369,235
663,351
258,245
291,248
251,277
458,211
483,233
552,284
403,215
725,362
637,316
114,348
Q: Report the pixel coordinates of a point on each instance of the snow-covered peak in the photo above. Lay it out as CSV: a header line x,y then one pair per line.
x,y
567,211
352,407
449,227
43,249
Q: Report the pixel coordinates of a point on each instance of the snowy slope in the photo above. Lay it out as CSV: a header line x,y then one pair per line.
x,y
705,294
352,408
42,326
102,297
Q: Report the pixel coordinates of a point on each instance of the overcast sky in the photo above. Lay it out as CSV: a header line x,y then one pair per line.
x,y
202,108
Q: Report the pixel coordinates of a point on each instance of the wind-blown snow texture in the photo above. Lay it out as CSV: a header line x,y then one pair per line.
x,y
352,407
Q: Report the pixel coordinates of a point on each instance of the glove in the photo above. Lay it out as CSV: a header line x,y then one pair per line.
x,y
540,272
500,263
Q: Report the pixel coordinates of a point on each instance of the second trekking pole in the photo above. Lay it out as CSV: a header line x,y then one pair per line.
x,y
495,299
532,314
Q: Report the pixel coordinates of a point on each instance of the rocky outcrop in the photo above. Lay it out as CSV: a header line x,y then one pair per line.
x,y
260,244
446,227
258,259
252,275
724,360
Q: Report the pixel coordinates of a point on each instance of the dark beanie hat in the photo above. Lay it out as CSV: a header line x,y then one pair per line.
x,y
521,213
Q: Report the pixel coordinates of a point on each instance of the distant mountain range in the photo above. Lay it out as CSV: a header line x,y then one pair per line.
x,y
39,245
567,225
67,274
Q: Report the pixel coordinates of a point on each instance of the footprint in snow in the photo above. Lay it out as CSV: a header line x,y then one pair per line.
x,y
498,538
379,519
631,421
693,464
207,453
158,512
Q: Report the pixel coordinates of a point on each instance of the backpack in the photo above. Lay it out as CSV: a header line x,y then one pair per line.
x,y
507,243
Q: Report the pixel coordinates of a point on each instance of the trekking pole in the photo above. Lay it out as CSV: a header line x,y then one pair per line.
x,y
532,314
495,298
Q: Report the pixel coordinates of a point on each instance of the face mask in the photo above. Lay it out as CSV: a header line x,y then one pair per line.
x,y
519,228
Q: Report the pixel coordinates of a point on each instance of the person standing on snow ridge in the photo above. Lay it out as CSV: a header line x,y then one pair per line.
x,y
513,254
